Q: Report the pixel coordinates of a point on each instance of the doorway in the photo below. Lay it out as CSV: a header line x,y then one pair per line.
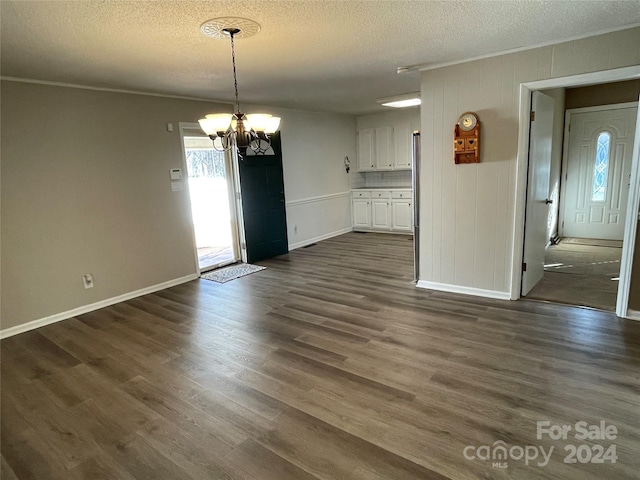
x,y
582,265
211,192
633,181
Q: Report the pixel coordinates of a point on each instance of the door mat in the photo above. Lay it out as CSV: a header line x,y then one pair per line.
x,y
227,274
593,242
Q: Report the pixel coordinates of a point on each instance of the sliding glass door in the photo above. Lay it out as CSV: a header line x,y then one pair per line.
x,y
212,203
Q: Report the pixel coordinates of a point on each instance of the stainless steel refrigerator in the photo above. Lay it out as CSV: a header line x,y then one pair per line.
x,y
415,184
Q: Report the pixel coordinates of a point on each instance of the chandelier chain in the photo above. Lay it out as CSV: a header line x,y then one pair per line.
x,y
235,78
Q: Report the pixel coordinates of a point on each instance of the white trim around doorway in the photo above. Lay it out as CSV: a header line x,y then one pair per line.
x,y
183,128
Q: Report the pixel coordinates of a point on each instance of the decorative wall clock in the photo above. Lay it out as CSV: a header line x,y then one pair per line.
x,y
466,139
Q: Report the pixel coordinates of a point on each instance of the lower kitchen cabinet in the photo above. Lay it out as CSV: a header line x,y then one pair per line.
x,y
361,213
402,211
383,210
402,215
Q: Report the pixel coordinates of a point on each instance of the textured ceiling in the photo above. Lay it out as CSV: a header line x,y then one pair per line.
x,y
314,55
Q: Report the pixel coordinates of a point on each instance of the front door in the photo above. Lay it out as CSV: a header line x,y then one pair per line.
x,y
597,173
263,207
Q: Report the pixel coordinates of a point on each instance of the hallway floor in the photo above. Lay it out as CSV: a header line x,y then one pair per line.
x,y
581,272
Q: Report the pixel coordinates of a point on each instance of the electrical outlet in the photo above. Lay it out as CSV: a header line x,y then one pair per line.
x,y
87,279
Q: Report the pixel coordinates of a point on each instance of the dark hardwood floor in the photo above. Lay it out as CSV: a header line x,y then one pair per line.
x,y
329,364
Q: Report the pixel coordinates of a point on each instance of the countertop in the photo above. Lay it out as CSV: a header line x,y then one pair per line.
x,y
381,188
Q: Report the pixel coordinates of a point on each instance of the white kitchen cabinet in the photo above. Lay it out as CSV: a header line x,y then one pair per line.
x,y
366,150
385,148
383,210
377,150
389,135
361,206
402,214
403,137
381,214
385,153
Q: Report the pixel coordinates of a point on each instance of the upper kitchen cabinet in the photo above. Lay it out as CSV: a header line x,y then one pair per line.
x,y
385,153
366,150
403,136
377,150
384,140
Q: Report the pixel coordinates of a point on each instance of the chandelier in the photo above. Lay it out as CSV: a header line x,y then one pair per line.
x,y
241,130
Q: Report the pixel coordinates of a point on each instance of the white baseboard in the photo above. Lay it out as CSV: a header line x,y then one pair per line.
x,y
380,230
25,327
309,241
478,292
632,314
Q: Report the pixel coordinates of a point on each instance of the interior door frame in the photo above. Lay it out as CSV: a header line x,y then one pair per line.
x,y
234,195
522,160
565,145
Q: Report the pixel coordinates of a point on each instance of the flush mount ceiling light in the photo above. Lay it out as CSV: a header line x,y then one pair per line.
x,y
401,101
240,130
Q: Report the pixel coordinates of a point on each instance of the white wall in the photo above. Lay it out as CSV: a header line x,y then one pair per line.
x,y
317,195
467,211
392,116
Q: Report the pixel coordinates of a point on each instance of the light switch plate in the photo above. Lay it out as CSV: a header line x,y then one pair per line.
x,y
177,186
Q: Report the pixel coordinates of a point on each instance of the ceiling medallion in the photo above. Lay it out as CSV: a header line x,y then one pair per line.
x,y
217,27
